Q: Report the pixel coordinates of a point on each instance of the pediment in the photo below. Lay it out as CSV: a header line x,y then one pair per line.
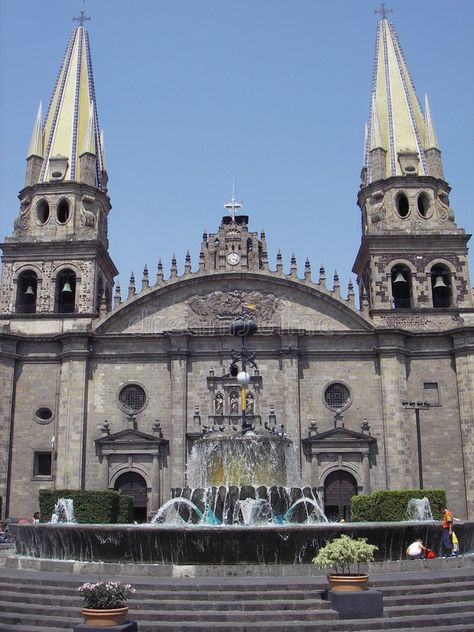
x,y
340,435
129,436
211,301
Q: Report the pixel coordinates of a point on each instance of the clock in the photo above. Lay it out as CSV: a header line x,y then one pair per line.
x,y
233,258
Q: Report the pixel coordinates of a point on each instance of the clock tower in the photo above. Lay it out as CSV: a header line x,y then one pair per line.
x,y
233,247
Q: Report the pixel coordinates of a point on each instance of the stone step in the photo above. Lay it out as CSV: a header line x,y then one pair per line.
x,y
429,598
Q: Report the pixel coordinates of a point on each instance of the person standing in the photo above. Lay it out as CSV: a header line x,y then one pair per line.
x,y
446,538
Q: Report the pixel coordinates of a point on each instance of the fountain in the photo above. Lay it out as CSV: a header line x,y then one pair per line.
x,y
419,509
64,511
244,504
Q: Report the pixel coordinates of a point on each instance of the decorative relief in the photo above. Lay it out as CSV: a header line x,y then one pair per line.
x,y
23,220
406,320
377,212
444,210
88,211
221,306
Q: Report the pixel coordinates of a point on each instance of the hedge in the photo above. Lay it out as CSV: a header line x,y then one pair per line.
x,y
388,506
90,506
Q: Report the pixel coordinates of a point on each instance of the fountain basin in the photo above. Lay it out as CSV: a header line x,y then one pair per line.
x,y
218,545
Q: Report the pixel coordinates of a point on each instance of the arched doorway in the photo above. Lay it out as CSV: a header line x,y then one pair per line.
x,y
339,487
134,485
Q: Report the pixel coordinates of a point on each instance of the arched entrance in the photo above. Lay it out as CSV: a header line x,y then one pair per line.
x,y
339,487
134,485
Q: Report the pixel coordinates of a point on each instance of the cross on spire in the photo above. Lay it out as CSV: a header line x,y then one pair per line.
x,y
233,205
383,10
81,18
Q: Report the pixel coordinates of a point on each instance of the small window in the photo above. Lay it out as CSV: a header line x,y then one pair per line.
x,y
44,415
431,393
423,204
337,396
42,211
42,464
403,207
62,211
132,399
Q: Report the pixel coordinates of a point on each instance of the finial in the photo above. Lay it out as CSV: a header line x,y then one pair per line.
x,y
322,276
159,272
336,285
145,280
117,296
204,235
81,18
131,286
233,205
174,267
187,263
279,261
307,269
293,266
201,261
383,10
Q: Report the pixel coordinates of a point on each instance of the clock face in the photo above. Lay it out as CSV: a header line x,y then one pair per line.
x,y
233,258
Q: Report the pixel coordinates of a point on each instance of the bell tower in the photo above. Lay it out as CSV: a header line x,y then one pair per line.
x,y
412,255
56,261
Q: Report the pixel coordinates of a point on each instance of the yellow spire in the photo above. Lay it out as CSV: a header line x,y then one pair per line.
x,y
430,141
396,120
71,122
36,142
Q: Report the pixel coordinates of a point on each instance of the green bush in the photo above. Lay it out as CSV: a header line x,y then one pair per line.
x,y
125,509
391,505
90,506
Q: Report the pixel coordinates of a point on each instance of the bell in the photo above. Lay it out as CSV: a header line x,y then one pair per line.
x,y
399,278
30,291
66,287
439,282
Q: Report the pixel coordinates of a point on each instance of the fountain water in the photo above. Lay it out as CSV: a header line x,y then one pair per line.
x,y
249,479
419,509
64,510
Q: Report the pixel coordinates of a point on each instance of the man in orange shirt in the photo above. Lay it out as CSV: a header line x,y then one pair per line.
x,y
446,538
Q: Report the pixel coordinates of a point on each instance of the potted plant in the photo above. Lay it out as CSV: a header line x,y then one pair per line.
x,y
104,603
341,555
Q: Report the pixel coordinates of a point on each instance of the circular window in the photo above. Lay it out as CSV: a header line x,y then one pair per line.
x,y
337,396
43,415
423,204
132,398
62,211
42,211
403,206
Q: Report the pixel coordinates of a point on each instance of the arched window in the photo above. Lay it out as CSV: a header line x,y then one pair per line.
x,y
401,287
441,286
65,298
27,289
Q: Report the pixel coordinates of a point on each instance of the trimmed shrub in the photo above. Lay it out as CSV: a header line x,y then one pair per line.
x,y
125,509
90,506
391,505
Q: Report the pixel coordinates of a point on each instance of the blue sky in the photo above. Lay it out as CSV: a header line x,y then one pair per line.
x,y
273,93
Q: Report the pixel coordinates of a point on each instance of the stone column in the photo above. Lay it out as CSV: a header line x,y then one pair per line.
x,y
71,424
464,358
7,383
155,484
399,463
366,473
104,472
179,386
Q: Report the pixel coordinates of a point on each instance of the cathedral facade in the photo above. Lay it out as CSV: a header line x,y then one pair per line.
x,y
103,389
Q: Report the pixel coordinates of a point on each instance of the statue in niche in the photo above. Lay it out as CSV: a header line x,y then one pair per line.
x,y
218,404
234,403
250,405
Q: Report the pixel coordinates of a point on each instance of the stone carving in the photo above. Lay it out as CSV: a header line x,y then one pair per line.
x,y
377,207
23,221
234,403
218,404
88,211
445,211
249,404
406,320
221,306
